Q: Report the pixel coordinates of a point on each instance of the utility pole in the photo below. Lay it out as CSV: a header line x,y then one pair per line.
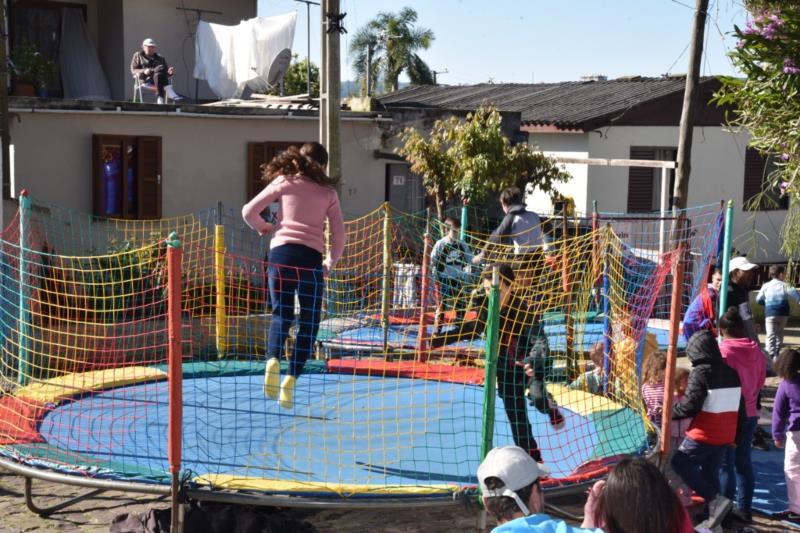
x,y
329,105
435,72
5,136
308,4
369,69
681,190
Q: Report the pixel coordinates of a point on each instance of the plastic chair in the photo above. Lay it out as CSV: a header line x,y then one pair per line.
x,y
139,85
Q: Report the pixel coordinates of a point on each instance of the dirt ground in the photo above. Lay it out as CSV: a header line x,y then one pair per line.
x,y
96,514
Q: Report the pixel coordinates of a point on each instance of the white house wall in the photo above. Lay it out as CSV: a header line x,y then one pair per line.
x,y
564,145
717,173
204,160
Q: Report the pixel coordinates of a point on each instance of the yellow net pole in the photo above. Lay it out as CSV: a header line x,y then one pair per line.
x,y
219,275
387,275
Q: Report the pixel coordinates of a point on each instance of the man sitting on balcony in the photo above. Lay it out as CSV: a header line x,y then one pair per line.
x,y
152,68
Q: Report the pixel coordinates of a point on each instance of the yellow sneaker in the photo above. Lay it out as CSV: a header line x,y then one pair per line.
x,y
287,392
271,377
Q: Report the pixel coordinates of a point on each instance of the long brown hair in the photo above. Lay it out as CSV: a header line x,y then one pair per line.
x,y
292,162
637,497
655,368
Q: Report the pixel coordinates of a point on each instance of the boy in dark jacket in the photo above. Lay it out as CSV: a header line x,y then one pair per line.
x,y
714,399
523,351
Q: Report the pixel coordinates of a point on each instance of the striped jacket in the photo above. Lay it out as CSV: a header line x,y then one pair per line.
x,y
713,396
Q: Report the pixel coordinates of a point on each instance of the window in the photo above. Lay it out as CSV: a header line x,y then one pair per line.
x,y
37,23
644,184
257,155
126,176
757,169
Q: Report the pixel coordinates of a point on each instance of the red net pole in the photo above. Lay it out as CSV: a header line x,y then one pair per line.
x,y
175,371
422,344
678,258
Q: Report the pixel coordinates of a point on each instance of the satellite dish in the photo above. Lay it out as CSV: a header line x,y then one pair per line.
x,y
279,66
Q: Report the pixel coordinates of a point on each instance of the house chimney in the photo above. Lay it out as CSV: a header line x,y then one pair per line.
x,y
594,77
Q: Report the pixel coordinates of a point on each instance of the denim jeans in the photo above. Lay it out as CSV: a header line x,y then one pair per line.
x,y
736,476
294,269
698,465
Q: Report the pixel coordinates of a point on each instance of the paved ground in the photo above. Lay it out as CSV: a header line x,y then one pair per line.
x,y
97,514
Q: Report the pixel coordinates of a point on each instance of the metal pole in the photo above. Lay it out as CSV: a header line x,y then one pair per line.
x,y
566,287
464,220
490,375
308,49
175,371
323,75
22,328
674,326
664,207
369,70
387,276
726,258
607,329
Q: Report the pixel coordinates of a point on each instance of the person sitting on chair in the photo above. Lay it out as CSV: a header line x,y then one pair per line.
x,y
152,68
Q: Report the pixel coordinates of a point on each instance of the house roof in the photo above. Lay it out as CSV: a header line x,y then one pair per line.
x,y
566,105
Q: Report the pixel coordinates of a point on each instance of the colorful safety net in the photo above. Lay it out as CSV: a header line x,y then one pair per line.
x,y
391,397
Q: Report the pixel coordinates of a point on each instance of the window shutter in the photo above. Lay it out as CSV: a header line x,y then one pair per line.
x,y
148,151
640,182
755,166
257,155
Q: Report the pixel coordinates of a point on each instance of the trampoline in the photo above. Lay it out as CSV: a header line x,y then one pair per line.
x,y
359,431
360,338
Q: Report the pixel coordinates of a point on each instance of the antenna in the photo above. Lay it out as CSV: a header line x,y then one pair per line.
x,y
308,4
435,72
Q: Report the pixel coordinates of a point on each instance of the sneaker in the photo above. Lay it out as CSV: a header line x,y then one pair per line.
x,y
718,509
287,392
760,439
556,418
742,517
271,378
159,100
787,516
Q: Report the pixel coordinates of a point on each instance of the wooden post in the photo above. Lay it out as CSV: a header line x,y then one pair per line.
x,y
5,134
678,258
690,98
175,374
333,82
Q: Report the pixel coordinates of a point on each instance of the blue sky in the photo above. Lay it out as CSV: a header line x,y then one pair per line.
x,y
542,40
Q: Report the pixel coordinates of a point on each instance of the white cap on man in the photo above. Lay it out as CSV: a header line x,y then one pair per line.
x,y
741,263
148,42
515,468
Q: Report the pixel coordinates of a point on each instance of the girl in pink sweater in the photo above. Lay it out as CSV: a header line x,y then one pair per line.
x,y
306,198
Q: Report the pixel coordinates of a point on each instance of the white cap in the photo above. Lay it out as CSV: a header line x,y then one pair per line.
x,y
741,263
149,42
515,468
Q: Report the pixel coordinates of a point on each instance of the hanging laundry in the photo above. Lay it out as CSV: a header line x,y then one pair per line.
x,y
228,57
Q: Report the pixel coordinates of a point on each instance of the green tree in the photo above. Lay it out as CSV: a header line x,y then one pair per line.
x,y
294,82
767,100
471,159
394,39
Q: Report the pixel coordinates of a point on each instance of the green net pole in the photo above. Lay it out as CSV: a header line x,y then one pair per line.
x,y
464,219
492,346
387,275
24,358
726,258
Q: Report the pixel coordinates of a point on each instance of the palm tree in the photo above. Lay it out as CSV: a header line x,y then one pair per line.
x,y
394,41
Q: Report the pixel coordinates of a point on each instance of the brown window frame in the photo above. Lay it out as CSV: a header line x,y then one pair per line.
x,y
146,184
757,168
259,153
641,180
